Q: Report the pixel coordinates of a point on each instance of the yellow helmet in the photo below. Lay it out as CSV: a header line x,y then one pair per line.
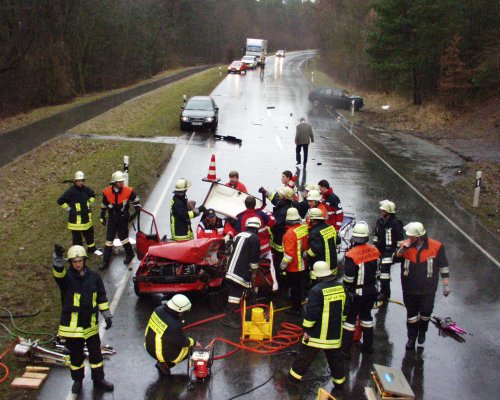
x,y
360,232
286,193
76,252
292,214
311,186
179,303
315,213
321,269
79,176
388,206
182,184
252,222
118,176
314,195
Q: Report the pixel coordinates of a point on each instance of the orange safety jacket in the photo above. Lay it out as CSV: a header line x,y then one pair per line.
x,y
294,244
118,202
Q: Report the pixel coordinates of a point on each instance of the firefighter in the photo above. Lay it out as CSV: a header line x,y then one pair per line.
x,y
116,199
234,182
210,226
242,267
164,338
314,201
322,327
303,206
388,237
77,202
360,283
423,260
321,241
294,244
82,296
180,214
335,214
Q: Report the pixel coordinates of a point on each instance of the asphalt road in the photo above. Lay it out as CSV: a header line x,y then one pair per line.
x,y
263,112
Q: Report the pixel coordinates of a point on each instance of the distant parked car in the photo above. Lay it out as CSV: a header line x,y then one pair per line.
x,y
200,112
250,61
335,98
280,53
237,67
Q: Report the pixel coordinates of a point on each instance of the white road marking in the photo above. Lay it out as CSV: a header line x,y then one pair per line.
x,y
478,246
123,283
280,145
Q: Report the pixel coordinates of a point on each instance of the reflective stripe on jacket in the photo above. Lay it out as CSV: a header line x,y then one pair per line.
x,y
180,218
205,231
267,221
118,202
294,244
322,245
388,236
79,200
246,251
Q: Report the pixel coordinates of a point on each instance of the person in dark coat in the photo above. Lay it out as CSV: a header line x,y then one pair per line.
x,y
303,137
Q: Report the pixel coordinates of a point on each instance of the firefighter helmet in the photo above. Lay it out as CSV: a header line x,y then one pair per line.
x,y
286,193
118,176
321,269
79,176
414,229
252,222
314,195
311,186
360,232
388,206
315,213
76,252
182,185
292,214
179,303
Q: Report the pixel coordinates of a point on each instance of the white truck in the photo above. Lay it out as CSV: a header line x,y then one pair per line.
x,y
257,47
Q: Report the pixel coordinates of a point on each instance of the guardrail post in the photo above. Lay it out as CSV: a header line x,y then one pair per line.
x,y
352,108
125,169
477,189
312,76
220,70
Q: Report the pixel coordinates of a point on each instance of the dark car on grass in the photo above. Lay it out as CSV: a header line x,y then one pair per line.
x,y
200,112
334,98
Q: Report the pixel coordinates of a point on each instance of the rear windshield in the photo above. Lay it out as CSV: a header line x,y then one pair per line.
x,y
199,104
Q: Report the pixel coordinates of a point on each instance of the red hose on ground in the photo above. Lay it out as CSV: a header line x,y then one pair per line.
x,y
2,365
286,337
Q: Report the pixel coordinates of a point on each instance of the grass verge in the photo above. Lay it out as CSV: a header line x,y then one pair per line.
x,y
31,220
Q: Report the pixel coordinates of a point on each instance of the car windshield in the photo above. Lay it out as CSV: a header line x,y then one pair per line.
x,y
247,58
199,104
236,64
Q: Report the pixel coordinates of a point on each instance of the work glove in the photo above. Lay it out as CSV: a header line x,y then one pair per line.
x,y
263,191
58,250
108,318
57,257
202,208
196,212
446,288
283,266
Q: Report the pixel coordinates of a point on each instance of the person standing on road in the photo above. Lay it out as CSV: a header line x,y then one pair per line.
x,y
234,182
322,327
294,244
210,226
164,338
242,268
335,213
303,136
423,260
82,296
360,283
116,199
180,214
388,237
321,241
77,201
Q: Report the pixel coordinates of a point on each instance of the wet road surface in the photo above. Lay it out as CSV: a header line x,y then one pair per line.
x,y
263,113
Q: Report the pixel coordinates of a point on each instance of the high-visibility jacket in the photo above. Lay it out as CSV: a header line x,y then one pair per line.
x,y
360,271
244,258
267,221
180,218
117,202
239,186
322,245
335,213
164,338
388,236
82,296
210,231
323,316
420,269
79,200
294,244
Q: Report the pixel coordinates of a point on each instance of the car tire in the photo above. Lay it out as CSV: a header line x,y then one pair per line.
x,y
183,127
138,292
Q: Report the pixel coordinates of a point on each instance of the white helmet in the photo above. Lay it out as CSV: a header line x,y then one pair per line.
x,y
315,213
79,176
414,229
182,185
252,222
292,214
360,232
179,303
314,195
286,193
311,186
76,252
388,206
321,269
118,176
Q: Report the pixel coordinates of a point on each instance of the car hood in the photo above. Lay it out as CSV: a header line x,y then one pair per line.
x,y
198,113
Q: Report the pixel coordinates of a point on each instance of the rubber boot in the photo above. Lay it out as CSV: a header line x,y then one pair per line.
x,y
106,258
77,387
422,329
367,345
163,369
129,251
412,336
347,343
104,265
232,319
385,290
104,385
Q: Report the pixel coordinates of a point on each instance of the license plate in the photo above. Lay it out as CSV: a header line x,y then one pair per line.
x,y
196,123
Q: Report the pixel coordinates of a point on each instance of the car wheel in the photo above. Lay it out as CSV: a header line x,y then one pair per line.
x,y
137,291
183,127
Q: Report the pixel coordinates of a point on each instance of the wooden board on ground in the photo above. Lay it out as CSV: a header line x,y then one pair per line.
x,y
34,375
26,383
36,368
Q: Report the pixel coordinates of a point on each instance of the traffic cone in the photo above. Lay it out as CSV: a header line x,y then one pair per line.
x,y
211,176
357,331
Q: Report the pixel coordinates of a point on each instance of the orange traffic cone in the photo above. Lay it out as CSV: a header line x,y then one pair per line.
x,y
357,331
211,176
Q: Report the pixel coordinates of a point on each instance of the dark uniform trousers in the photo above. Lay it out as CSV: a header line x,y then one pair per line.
x,y
77,357
418,304
307,354
362,306
89,238
295,281
117,225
